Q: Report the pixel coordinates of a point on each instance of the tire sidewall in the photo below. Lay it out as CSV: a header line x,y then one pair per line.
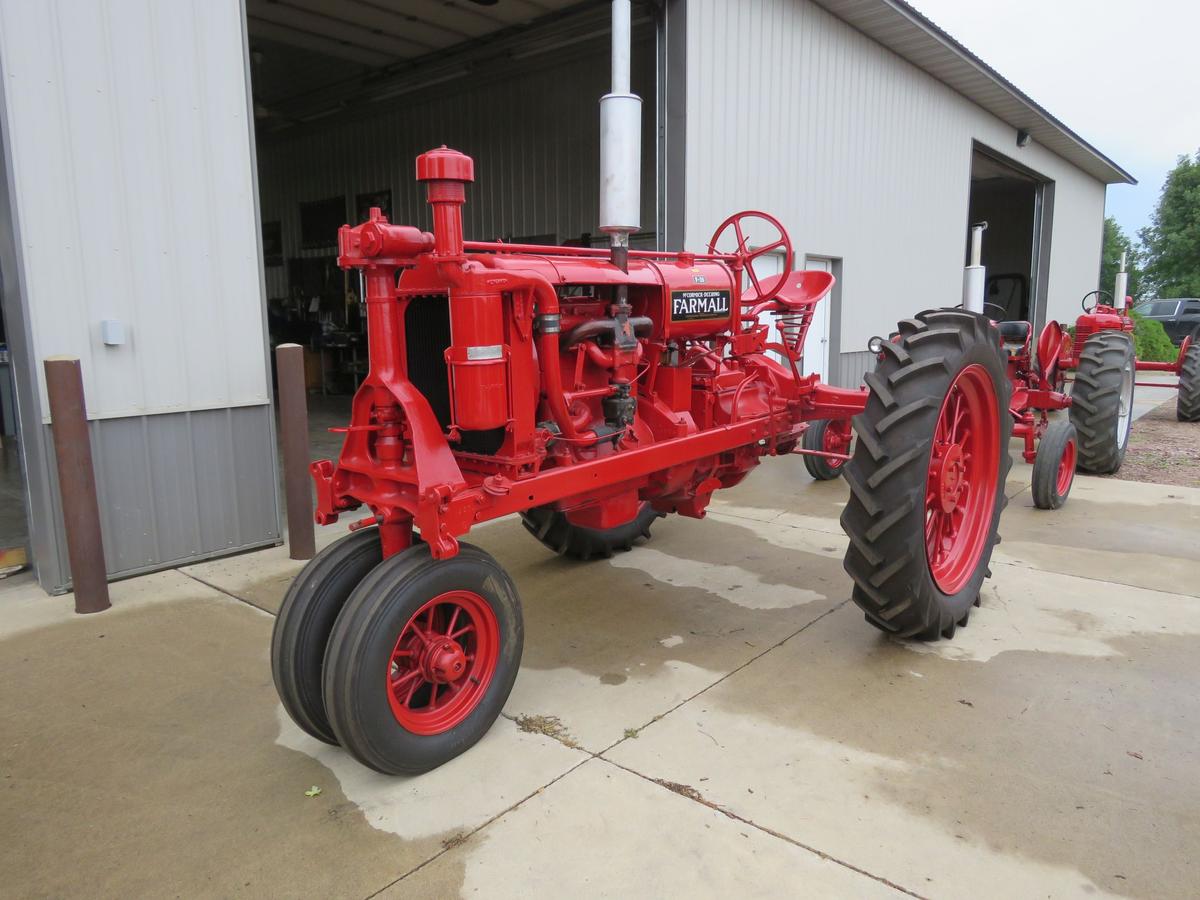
x,y
306,619
375,615
1045,466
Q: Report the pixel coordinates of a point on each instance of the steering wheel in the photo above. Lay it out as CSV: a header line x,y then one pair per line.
x,y
1003,310
745,258
1084,301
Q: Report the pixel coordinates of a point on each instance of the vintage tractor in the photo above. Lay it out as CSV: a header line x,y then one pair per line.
x,y
1105,367
591,391
1101,356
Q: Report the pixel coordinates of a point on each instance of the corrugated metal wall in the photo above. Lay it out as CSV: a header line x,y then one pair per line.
x,y
130,180
532,128
862,155
131,154
179,487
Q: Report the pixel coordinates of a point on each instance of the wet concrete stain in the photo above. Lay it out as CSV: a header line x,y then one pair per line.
x,y
1038,763
139,759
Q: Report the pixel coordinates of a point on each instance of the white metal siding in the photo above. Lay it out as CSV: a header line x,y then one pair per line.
x,y
134,189
862,155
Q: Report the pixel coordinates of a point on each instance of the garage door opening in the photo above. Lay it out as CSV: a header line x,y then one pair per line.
x,y
14,527
1011,200
346,96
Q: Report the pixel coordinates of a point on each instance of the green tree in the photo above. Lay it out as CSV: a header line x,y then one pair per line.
x,y
1172,242
1117,242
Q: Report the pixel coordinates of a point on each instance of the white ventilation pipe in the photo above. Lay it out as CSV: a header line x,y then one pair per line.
x,y
1121,286
620,139
975,275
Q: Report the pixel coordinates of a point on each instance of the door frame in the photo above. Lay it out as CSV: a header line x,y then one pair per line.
x,y
1043,224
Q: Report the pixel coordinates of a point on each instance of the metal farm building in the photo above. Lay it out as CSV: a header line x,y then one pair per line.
x,y
175,172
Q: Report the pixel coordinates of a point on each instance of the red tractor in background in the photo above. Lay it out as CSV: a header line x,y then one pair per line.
x,y
1101,356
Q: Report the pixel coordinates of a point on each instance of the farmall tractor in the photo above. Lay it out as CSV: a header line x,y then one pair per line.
x,y
1094,436
592,391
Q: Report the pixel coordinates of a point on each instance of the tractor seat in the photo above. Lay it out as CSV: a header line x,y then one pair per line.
x,y
1015,332
1014,337
799,290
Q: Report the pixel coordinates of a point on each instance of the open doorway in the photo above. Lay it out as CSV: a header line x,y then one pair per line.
x,y
14,529
347,97
1011,199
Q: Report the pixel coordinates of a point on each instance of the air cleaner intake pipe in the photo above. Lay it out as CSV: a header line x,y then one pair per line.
x,y
620,147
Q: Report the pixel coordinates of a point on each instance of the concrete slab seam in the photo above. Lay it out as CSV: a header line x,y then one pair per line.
x,y
770,831
222,590
728,674
463,837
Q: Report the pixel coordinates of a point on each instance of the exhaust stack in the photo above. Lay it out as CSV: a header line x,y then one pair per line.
x,y
620,144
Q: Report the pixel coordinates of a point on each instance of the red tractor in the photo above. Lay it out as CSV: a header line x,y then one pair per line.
x,y
592,391
1095,435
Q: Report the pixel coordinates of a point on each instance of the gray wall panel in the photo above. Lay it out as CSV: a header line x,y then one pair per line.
x,y
176,487
532,128
852,367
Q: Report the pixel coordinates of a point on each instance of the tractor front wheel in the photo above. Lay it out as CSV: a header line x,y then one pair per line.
x,y
1187,405
927,475
828,436
1102,400
564,537
422,658
306,619
1054,465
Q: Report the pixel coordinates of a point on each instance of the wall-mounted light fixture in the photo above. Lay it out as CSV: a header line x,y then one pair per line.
x,y
1023,138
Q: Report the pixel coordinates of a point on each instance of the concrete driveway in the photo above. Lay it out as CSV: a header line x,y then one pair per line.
x,y
705,715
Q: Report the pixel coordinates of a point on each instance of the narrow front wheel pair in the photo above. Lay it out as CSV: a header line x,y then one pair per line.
x,y
405,663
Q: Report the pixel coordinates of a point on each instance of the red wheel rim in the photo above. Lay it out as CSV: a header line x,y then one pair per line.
x,y
836,439
443,661
1066,469
960,492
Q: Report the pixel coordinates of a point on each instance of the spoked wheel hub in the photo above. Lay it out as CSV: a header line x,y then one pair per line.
x,y
442,662
960,493
947,473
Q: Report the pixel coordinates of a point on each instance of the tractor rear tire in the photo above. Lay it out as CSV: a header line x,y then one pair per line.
x,y
1187,405
1102,401
305,620
422,659
820,468
1054,465
556,531
927,475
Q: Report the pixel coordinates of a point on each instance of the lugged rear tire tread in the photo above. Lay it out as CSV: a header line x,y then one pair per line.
x,y
1187,405
1096,401
886,558
553,529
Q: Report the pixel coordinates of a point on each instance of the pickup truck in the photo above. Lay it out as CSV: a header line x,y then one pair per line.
x,y
1179,317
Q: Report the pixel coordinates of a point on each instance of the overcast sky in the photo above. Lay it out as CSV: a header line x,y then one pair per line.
x,y
1125,76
